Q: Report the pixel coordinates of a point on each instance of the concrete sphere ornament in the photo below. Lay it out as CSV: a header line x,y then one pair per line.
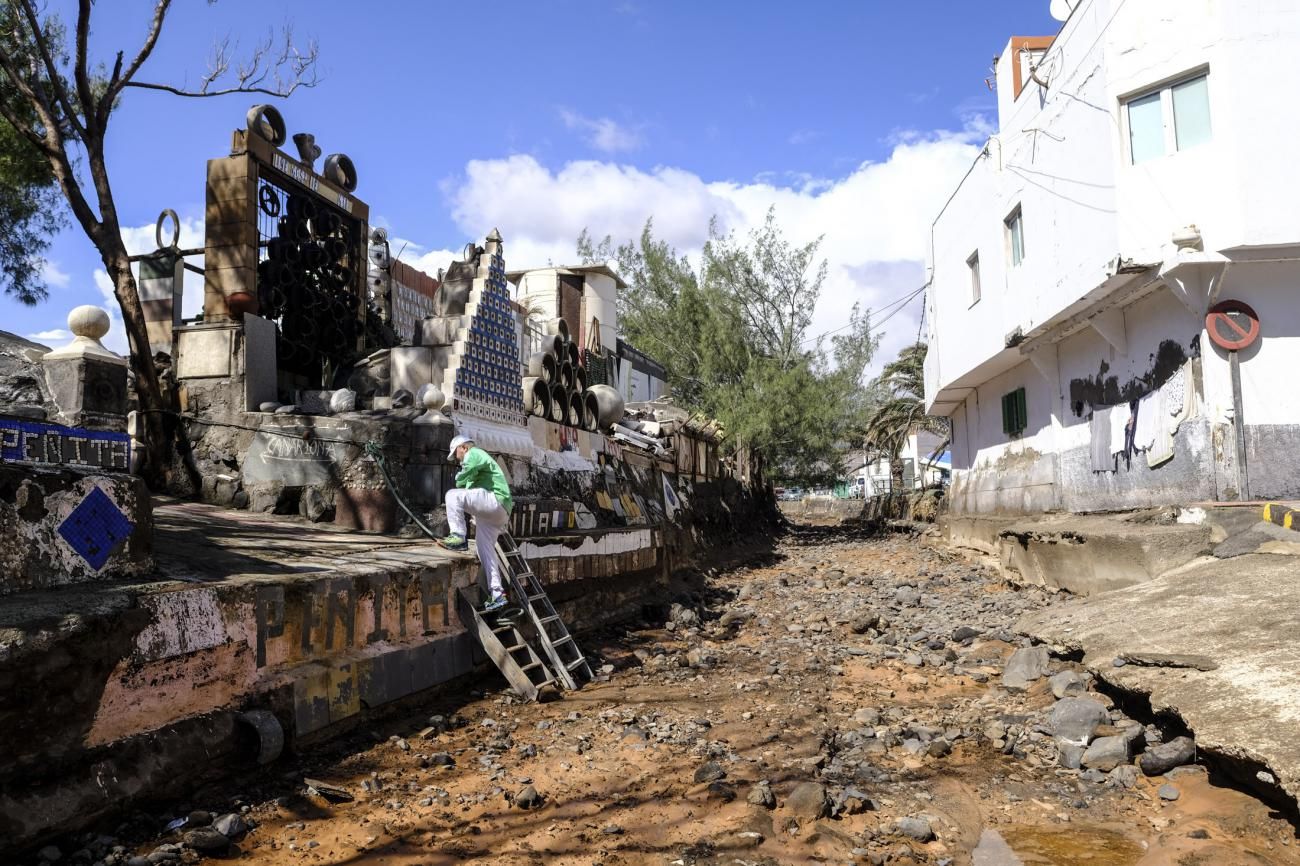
x,y
88,321
430,398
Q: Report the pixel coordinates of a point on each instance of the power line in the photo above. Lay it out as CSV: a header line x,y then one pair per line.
x,y
900,302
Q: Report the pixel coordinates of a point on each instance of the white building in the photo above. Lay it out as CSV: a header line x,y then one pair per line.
x,y
587,295
926,463
1143,170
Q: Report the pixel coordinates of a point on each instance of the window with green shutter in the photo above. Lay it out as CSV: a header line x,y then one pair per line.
x,y
1015,417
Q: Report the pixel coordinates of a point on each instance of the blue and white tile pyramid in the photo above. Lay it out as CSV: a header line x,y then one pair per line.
x,y
482,375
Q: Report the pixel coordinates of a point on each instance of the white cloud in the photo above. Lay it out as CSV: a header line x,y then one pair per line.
x,y
421,257
115,340
602,133
54,276
142,239
54,336
875,221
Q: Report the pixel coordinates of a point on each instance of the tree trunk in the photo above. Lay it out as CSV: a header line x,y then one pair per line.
x,y
147,387
895,474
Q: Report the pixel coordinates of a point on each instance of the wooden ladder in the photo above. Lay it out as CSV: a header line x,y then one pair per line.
x,y
507,646
569,665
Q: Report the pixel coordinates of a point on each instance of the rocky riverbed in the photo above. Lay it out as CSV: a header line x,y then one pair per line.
x,y
849,701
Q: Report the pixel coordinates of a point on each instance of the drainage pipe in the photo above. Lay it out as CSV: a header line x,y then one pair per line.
x,y
609,404
559,328
566,376
537,396
572,353
542,365
590,412
577,410
559,403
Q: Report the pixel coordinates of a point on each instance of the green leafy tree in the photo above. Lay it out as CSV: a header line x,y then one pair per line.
x,y
899,409
734,338
60,102
29,215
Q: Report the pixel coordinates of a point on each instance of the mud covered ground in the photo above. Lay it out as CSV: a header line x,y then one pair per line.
x,y
845,703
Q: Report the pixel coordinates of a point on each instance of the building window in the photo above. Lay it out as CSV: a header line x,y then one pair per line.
x,y
1015,237
1173,118
1015,418
974,264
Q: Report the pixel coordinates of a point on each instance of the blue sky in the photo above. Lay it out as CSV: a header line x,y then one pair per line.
x,y
854,118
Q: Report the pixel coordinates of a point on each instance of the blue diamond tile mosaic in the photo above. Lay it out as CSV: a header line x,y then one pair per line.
x,y
95,528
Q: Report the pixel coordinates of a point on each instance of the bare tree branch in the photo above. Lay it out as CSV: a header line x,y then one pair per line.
x,y
275,67
79,67
116,83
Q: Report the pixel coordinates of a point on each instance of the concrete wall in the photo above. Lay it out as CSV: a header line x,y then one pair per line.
x,y
162,670
1048,467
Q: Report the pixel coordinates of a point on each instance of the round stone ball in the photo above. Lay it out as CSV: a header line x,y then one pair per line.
x,y
88,321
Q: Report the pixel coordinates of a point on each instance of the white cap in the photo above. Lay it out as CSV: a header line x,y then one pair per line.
x,y
456,443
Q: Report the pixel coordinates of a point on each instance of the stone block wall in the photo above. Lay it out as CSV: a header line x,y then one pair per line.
x,y
60,527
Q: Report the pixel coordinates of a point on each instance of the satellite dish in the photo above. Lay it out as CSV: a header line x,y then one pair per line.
x,y
1061,9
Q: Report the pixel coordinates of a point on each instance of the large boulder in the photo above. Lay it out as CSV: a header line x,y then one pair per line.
x,y
1107,753
1026,666
808,801
1075,720
1166,756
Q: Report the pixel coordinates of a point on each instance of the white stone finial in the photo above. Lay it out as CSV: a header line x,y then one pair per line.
x,y
88,325
430,396
88,321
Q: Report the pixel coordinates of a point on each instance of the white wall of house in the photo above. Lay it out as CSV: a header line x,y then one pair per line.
x,y
1086,304
922,469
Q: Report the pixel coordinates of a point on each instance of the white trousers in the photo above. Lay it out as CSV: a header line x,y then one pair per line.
x,y
489,519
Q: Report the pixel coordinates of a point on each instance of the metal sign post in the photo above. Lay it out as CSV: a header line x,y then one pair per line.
x,y
1233,325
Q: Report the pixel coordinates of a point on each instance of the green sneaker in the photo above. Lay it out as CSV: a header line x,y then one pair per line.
x,y
495,603
454,542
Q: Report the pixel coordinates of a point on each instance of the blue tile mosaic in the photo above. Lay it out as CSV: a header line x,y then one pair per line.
x,y
95,527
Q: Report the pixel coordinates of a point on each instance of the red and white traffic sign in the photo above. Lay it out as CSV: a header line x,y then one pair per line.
x,y
1232,325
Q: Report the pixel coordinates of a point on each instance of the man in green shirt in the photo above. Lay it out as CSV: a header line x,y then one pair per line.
x,y
482,492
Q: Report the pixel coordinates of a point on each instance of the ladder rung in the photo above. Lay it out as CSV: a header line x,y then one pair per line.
x,y
516,648
544,620
580,661
502,629
566,639
538,597
530,666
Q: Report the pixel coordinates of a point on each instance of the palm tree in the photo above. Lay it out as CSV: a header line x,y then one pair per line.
x,y
901,410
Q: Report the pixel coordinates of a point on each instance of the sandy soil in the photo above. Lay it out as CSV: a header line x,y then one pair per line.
x,y
616,762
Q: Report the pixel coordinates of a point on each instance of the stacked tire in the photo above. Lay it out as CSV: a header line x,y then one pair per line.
x,y
306,282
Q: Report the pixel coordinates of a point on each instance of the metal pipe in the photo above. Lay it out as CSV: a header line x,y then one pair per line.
x,y
1239,428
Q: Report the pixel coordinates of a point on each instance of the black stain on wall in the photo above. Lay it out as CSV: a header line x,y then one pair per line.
x,y
1103,390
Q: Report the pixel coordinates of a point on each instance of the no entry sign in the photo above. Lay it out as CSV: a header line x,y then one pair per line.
x,y
1232,325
